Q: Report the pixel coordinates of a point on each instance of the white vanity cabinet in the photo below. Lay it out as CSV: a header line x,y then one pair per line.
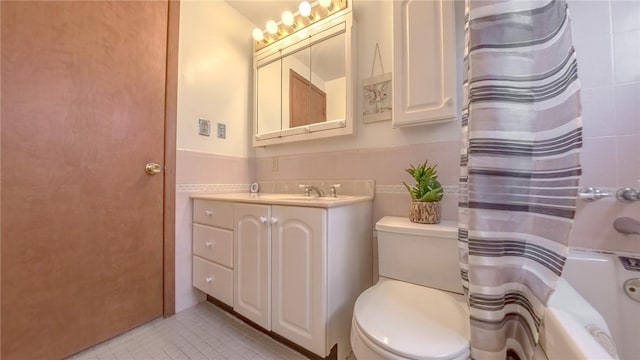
x,y
299,276
298,270
213,249
424,62
252,276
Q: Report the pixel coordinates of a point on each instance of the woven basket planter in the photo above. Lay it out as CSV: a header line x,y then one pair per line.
x,y
425,212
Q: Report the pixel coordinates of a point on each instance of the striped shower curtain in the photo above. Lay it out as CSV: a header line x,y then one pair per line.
x,y
522,133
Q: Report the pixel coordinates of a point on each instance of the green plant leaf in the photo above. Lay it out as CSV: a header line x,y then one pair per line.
x,y
427,187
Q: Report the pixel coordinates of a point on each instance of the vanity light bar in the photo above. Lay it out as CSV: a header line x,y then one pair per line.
x,y
306,15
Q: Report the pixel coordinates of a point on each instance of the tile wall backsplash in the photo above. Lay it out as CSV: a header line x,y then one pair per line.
x,y
607,40
201,172
386,166
606,36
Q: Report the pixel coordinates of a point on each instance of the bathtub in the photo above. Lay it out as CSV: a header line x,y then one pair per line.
x,y
599,277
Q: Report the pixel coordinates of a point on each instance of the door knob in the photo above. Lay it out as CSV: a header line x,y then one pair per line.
x,y
152,168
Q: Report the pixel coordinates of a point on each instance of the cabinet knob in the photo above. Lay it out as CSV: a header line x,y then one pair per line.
x,y
274,220
208,212
263,219
209,243
209,279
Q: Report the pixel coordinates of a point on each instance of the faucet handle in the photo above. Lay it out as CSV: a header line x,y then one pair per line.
x,y
628,194
306,189
625,225
334,187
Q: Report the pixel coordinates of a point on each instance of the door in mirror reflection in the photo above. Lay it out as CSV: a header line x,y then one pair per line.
x,y
304,85
307,102
296,80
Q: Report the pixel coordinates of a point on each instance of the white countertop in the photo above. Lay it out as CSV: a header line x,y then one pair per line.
x,y
285,199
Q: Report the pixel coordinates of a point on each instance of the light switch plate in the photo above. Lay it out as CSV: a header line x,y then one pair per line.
x,y
222,131
204,127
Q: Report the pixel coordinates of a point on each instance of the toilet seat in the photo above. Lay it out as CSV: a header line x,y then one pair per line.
x,y
412,321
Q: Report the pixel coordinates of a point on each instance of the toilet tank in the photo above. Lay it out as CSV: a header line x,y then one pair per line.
x,y
423,254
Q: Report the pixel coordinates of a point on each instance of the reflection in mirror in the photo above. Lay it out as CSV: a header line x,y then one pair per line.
x,y
314,84
296,75
268,106
327,62
304,85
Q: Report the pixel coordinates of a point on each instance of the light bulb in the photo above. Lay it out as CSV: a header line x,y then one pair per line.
x,y
305,8
287,18
325,3
257,34
272,27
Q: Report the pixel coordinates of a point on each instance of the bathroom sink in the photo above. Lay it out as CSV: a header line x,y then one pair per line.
x,y
301,197
288,199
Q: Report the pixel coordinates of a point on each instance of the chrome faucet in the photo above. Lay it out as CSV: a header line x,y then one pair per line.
x,y
334,187
628,194
308,188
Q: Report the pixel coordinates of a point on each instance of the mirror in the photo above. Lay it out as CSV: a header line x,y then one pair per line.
x,y
303,85
269,88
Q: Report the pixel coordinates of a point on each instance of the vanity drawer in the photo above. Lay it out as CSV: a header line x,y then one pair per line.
x,y
214,213
213,244
213,279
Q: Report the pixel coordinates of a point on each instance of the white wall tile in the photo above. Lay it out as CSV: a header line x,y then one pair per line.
x,y
627,105
598,159
591,32
626,15
626,53
628,160
598,112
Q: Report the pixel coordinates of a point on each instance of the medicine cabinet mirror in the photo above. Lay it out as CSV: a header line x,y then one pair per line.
x,y
304,84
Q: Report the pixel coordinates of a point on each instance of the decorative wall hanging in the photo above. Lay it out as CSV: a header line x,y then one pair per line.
x,y
377,93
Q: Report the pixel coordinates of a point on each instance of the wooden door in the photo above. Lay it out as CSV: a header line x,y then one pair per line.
x,y
299,280
252,273
83,111
308,104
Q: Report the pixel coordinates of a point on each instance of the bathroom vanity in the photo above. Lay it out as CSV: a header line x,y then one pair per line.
x,y
293,265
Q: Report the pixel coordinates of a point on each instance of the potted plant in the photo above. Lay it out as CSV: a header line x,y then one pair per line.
x,y
426,194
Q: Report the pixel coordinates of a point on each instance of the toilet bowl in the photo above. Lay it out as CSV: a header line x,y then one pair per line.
x,y
416,310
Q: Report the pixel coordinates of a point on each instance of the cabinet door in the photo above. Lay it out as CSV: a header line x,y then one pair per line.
x,y
252,260
424,62
299,276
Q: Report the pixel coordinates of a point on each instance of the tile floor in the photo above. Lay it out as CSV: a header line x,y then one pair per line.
x,y
202,332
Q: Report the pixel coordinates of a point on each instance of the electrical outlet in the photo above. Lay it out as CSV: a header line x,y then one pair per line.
x,y
204,127
222,131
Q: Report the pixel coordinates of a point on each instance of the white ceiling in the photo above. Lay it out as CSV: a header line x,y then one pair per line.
x,y
261,11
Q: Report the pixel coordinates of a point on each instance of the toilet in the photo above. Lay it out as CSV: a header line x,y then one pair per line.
x,y
417,309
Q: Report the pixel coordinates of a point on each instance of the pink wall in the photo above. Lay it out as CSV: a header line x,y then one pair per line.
x,y
201,172
384,165
607,40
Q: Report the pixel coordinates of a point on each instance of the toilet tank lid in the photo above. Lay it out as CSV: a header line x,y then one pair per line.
x,y
402,225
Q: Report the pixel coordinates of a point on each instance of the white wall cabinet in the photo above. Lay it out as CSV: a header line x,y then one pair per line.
x,y
299,270
424,62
